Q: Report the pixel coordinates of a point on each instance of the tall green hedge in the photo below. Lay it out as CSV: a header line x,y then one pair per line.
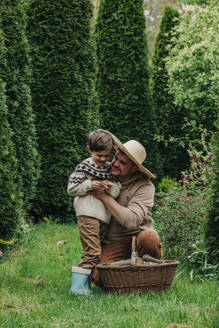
x,y
212,227
11,211
193,66
168,117
62,62
123,73
17,75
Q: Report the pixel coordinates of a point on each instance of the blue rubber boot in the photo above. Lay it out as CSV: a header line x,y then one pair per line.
x,y
80,281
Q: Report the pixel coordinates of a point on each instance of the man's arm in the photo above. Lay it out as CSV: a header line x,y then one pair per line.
x,y
132,216
112,205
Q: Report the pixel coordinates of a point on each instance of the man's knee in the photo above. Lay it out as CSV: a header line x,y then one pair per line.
x,y
148,242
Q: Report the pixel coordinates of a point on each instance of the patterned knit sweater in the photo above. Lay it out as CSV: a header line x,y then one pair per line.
x,y
79,184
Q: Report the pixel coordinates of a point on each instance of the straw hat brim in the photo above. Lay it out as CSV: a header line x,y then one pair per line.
x,y
141,168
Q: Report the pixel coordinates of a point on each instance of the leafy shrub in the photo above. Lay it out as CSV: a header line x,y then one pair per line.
x,y
212,226
198,263
167,114
17,76
192,64
62,62
179,216
167,183
11,205
181,213
123,73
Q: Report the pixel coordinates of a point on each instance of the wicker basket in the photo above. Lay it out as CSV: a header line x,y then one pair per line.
x,y
141,277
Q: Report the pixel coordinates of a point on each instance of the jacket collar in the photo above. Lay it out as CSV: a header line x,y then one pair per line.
x,y
136,176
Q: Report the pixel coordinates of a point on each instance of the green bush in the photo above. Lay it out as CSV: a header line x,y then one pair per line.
x,y
17,76
212,226
168,116
62,61
11,206
180,217
167,183
123,74
199,263
192,65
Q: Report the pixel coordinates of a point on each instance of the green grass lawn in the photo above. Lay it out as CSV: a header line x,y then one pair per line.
x,y
34,291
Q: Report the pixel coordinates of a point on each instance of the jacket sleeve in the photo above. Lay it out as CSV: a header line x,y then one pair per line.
x,y
136,213
78,185
114,191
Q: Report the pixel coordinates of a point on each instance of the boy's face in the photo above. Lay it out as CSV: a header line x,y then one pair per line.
x,y
100,157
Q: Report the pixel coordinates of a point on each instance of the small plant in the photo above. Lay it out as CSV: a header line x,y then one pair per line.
x,y
181,212
198,263
200,164
167,183
179,217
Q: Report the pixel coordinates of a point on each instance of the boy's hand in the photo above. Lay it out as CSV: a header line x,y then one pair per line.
x,y
96,185
106,184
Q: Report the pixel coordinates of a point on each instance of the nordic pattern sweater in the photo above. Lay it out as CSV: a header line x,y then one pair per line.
x,y
79,184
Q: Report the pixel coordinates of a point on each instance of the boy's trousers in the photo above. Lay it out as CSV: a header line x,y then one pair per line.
x,y
92,232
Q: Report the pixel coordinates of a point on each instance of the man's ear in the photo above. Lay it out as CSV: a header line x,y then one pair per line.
x,y
88,148
134,168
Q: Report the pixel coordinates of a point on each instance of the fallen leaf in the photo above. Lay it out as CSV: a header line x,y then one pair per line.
x,y
176,325
61,242
134,309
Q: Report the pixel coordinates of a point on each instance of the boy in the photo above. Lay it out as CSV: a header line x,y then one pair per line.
x,y
92,215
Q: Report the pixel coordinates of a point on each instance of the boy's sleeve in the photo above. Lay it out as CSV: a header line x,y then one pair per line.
x,y
78,184
114,191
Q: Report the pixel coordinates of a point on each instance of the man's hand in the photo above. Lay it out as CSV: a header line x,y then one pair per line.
x,y
112,205
99,194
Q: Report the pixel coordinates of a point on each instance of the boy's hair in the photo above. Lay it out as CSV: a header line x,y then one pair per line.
x,y
100,140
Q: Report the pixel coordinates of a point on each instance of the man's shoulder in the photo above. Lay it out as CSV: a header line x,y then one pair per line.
x,y
141,182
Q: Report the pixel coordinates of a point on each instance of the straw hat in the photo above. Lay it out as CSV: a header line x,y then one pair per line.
x,y
136,152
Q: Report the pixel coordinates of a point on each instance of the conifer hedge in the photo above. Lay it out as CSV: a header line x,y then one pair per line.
x,y
168,117
62,61
11,212
212,227
123,75
17,75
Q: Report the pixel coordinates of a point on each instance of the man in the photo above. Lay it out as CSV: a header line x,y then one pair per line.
x,y
131,212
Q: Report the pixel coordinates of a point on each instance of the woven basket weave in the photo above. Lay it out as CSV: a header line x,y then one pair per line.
x,y
143,278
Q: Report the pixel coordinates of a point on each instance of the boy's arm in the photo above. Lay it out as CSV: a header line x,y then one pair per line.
x,y
78,185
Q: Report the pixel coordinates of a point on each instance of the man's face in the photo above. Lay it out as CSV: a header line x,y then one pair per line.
x,y
122,167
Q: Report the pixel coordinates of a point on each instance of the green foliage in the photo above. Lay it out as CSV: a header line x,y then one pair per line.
x,y
181,213
199,265
123,74
192,65
167,183
179,216
212,227
17,76
200,163
197,2
11,207
168,116
62,61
